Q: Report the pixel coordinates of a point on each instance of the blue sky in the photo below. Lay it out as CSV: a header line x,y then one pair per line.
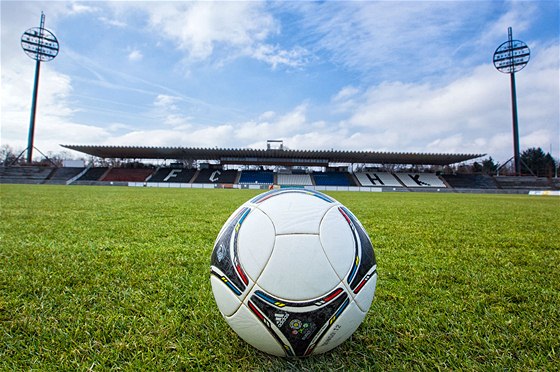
x,y
405,76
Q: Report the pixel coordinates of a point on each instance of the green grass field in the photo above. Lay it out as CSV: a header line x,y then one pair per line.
x,y
118,278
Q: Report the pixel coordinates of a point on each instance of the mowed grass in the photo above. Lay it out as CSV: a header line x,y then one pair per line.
x,y
118,278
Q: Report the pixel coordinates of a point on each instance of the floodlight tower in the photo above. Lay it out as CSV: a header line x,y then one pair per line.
x,y
41,45
510,57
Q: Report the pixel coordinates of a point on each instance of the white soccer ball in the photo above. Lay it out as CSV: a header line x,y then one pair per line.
x,y
293,272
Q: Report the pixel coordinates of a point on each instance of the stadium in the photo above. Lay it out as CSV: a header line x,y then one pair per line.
x,y
110,262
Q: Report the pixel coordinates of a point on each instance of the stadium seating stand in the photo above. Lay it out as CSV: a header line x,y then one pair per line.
x,y
470,181
93,174
383,179
216,176
523,182
257,177
61,175
333,179
420,180
25,174
127,174
175,175
294,179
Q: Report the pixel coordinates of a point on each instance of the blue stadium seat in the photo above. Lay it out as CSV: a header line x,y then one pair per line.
x,y
332,179
257,177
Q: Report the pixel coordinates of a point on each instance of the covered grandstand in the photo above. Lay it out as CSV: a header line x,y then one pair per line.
x,y
292,168
279,167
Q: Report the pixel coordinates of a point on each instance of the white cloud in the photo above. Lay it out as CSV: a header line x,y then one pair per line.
x,y
81,8
168,110
278,127
243,134
166,101
275,56
520,15
199,27
113,22
345,93
223,31
135,55
269,115
411,40
385,34
537,138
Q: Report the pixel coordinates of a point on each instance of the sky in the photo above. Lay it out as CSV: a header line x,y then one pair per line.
x,y
394,76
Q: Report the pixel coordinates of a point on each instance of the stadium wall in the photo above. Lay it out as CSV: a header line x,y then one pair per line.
x,y
266,187
330,188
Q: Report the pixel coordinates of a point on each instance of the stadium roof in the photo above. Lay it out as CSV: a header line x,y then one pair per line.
x,y
271,156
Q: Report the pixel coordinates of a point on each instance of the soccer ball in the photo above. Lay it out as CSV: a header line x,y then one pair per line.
x,y
293,272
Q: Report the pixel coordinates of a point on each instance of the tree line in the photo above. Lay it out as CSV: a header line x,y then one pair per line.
x,y
534,162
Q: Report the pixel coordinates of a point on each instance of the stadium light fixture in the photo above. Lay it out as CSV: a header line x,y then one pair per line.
x,y
41,45
510,57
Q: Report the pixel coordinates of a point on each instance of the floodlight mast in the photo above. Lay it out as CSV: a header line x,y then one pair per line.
x,y
41,45
510,57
